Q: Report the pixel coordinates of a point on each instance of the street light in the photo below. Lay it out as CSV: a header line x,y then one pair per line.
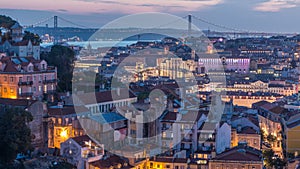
x,y
64,133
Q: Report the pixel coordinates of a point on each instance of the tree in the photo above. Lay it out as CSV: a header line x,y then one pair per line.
x,y
34,38
268,157
14,133
272,161
271,138
63,58
6,21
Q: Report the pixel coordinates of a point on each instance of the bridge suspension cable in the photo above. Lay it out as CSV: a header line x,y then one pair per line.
x,y
41,22
220,26
73,23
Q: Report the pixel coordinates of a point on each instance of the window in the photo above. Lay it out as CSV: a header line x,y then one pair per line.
x,y
45,88
11,79
5,78
5,89
20,79
20,90
168,166
11,90
40,88
164,134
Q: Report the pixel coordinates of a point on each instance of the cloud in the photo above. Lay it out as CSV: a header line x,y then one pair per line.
x,y
111,6
62,10
132,6
276,5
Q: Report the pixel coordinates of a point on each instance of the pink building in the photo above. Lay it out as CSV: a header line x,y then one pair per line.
x,y
26,78
235,64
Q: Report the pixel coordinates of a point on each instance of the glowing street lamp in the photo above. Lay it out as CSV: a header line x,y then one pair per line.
x,y
64,133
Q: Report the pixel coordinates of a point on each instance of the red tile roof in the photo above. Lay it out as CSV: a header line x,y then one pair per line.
x,y
247,130
111,161
66,111
16,102
10,67
240,153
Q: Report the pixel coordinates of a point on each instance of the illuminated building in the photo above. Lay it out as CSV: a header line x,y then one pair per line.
x,y
292,129
230,63
63,124
26,78
247,135
171,163
176,68
279,87
269,116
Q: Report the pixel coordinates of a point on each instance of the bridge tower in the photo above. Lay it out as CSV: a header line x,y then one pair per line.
x,y
55,30
55,22
189,25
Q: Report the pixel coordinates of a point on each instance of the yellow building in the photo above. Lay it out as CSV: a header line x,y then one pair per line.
x,y
247,135
292,130
61,134
63,124
169,163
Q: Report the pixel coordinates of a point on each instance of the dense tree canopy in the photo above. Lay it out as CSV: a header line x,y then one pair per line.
x,y
63,58
6,21
14,133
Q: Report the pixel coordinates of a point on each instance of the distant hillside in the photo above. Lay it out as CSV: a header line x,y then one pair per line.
x,y
6,21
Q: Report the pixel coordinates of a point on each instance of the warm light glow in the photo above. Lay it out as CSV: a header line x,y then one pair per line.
x,y
64,133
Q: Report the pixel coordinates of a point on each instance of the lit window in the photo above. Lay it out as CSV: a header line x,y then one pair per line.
x,y
45,88
11,90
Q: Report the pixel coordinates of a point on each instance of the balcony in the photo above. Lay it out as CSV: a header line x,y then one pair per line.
x,y
28,94
49,81
27,83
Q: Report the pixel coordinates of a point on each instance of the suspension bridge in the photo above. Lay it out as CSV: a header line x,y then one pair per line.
x,y
198,21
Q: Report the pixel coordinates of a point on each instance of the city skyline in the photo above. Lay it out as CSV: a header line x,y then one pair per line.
x,y
258,15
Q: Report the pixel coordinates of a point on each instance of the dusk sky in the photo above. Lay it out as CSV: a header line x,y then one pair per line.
x,y
253,15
